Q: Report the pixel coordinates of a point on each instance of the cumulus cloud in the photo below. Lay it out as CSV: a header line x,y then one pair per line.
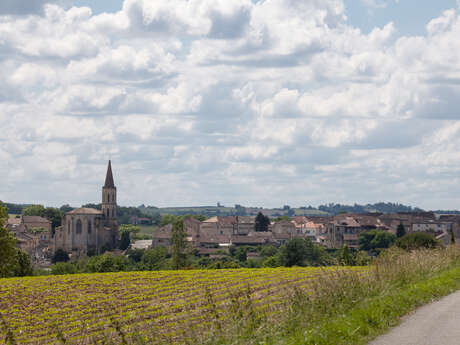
x,y
239,101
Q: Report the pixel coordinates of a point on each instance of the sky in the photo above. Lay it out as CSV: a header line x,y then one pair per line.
x,y
259,103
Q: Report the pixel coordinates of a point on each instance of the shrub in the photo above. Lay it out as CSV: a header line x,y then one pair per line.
x,y
60,256
107,263
63,268
417,240
374,240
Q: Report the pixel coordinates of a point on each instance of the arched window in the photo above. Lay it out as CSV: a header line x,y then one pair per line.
x,y
108,213
68,227
108,198
89,227
78,227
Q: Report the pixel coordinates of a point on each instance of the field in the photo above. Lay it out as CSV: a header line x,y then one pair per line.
x,y
147,229
167,306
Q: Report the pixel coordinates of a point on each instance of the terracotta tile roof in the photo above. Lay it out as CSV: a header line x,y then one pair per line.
x,y
226,220
84,210
216,239
249,240
211,220
246,219
14,221
34,219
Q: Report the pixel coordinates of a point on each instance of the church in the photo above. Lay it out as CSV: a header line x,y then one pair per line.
x,y
87,230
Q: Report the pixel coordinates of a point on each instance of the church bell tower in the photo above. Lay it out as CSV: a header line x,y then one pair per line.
x,y
109,201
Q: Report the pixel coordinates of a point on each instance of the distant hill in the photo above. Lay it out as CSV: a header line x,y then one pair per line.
x,y
15,208
382,207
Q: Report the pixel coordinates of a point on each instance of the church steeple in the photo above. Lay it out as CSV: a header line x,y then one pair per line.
x,y
109,199
109,177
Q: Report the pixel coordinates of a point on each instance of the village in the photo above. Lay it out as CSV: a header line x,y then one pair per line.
x,y
217,234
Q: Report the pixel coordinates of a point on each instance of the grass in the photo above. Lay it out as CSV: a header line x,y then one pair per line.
x,y
298,306
147,229
351,309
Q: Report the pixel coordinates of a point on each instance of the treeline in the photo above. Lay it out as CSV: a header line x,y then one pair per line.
x,y
382,207
297,252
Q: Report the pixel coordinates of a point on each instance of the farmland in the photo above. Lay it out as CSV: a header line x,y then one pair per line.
x,y
168,305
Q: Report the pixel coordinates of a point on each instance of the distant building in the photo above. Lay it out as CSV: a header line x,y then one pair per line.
x,y
87,229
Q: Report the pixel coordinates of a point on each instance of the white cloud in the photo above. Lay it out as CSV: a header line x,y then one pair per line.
x,y
196,101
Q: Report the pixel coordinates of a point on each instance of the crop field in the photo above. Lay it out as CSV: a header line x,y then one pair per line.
x,y
168,305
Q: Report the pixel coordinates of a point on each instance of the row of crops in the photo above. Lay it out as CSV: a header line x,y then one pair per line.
x,y
83,308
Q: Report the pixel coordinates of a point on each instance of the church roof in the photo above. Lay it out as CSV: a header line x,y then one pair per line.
x,y
85,210
109,177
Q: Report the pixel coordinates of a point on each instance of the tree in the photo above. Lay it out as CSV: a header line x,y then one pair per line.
x,y
293,253
267,251
65,208
374,240
154,259
262,222
178,244
60,256
417,240
13,261
241,254
346,257
168,219
400,231
8,263
125,240
23,266
54,215
63,268
107,263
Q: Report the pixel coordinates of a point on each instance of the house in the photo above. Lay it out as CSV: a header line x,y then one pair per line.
x,y
36,222
344,230
284,227
162,236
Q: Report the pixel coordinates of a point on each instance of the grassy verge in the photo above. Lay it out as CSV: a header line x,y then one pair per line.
x,y
349,308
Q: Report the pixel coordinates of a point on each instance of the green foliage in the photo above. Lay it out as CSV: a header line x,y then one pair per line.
x,y
241,254
13,261
63,268
281,218
417,240
302,252
23,266
272,261
154,259
168,219
224,263
267,251
107,263
125,240
135,254
346,257
374,240
400,231
8,262
52,214
3,214
60,256
178,244
262,222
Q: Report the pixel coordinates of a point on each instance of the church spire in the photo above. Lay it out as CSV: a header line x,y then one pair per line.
x,y
109,177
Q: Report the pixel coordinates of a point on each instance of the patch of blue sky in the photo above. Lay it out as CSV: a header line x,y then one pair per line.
x,y
410,17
